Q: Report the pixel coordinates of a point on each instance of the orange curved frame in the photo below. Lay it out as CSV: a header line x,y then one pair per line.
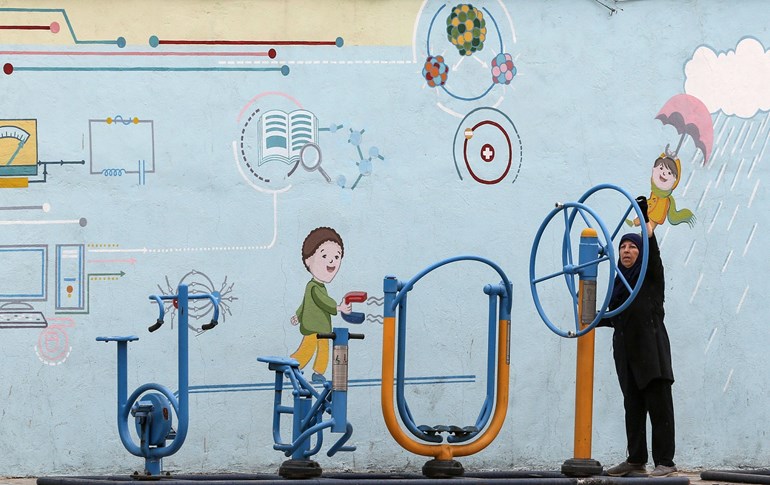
x,y
444,451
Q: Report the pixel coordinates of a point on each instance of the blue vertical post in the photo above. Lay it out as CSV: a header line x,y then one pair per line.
x,y
122,377
301,410
184,382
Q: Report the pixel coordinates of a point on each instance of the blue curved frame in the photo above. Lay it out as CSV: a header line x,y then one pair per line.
x,y
502,292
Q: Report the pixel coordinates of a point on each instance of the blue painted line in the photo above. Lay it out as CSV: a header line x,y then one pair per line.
x,y
270,386
499,34
430,28
468,99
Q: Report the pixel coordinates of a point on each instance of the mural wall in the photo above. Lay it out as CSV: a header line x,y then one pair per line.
x,y
287,156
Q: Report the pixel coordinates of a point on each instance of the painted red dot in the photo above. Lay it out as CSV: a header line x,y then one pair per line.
x,y
69,288
8,68
55,27
271,53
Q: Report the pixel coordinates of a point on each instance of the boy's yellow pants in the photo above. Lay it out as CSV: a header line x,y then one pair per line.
x,y
311,345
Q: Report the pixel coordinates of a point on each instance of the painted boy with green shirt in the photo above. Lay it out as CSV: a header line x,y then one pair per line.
x,y
322,253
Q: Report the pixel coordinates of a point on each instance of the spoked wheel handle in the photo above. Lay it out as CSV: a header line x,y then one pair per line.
x,y
605,252
644,250
569,270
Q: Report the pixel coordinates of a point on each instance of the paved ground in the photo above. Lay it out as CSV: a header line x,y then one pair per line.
x,y
694,479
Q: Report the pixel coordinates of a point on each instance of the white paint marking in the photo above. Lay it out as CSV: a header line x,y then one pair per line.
x,y
711,338
39,223
447,110
716,213
719,177
727,384
727,260
753,193
703,196
743,298
753,164
689,253
697,286
748,241
751,125
738,138
735,212
508,16
665,235
721,132
687,184
737,173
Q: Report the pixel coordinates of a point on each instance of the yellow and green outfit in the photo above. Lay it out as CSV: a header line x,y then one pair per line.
x,y
315,316
661,204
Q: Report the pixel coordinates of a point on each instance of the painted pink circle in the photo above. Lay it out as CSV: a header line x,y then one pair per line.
x,y
53,345
495,71
55,27
503,67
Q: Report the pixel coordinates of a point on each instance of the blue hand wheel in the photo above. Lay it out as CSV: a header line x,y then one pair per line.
x,y
605,252
644,250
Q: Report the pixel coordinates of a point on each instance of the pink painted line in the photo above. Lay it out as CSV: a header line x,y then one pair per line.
x,y
135,53
274,93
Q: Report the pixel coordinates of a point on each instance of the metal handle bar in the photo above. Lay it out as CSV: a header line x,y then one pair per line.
x,y
333,335
159,300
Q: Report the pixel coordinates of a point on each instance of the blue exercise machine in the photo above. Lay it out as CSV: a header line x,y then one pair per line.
x,y
595,248
152,412
482,432
309,405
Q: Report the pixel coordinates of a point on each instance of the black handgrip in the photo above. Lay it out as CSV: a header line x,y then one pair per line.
x,y
156,325
210,325
331,335
358,336
642,201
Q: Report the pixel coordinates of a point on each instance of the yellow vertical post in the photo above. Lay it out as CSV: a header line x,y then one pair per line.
x,y
582,464
584,384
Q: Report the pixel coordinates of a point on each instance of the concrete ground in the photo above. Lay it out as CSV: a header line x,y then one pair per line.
x,y
693,476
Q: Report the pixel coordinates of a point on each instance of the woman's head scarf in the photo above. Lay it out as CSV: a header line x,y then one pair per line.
x,y
631,275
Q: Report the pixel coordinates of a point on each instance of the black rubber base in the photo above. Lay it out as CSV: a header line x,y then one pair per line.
x,y
737,476
298,469
442,469
581,467
348,478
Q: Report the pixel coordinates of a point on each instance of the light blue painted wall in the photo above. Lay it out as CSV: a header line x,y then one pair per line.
x,y
584,102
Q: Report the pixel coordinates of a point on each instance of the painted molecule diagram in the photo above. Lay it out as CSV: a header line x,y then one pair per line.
x,y
363,163
466,29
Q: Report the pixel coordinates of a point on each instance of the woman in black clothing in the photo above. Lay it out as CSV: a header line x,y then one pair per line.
x,y
643,358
